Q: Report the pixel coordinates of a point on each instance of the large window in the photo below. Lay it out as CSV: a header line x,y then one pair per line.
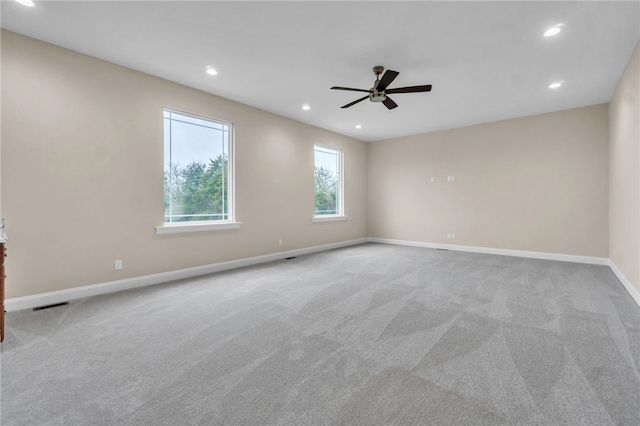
x,y
197,163
328,181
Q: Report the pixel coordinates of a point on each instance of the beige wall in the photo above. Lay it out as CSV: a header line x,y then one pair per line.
x,y
81,177
82,173
536,183
624,166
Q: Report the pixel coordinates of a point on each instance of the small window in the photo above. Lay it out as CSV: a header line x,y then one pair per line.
x,y
328,181
197,169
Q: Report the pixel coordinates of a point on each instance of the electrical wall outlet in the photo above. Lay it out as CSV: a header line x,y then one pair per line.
x,y
118,265
280,242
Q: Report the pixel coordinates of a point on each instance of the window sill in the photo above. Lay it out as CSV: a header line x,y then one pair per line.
x,y
328,218
181,228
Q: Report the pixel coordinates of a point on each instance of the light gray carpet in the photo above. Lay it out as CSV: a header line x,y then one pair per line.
x,y
371,334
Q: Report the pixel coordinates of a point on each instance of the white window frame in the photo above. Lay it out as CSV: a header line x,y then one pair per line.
x,y
341,207
208,225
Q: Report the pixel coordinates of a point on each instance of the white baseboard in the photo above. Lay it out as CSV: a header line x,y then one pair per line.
x,y
53,297
528,254
502,252
635,294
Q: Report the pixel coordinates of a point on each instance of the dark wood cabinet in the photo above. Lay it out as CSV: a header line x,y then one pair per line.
x,y
2,277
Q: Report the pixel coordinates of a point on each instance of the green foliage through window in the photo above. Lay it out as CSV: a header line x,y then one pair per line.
x,y
327,181
196,175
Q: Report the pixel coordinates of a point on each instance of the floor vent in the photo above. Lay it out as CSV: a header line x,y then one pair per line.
x,y
289,258
39,308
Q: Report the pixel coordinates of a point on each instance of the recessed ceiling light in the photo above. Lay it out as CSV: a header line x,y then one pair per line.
x,y
358,126
555,85
553,30
26,2
306,107
212,71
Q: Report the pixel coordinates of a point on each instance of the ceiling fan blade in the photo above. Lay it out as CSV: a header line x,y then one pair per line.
x,y
389,103
351,89
386,79
410,89
355,102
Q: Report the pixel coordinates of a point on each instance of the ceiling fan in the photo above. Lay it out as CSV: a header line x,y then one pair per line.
x,y
379,91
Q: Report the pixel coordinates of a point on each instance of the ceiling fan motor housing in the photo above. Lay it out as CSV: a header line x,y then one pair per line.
x,y
376,96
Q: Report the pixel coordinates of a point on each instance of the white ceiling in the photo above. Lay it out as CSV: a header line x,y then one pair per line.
x,y
487,61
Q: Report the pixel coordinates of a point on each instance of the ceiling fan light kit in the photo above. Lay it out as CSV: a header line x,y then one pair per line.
x,y
378,92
